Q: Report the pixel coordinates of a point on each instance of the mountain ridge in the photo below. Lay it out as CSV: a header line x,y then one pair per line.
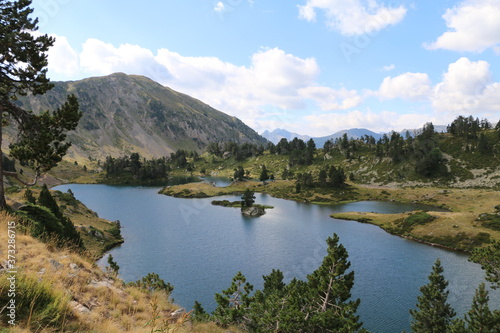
x,y
353,133
276,135
131,113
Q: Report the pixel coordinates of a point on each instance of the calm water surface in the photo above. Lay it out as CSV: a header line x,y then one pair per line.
x,y
199,248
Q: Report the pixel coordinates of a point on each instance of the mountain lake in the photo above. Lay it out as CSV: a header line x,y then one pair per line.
x,y
198,248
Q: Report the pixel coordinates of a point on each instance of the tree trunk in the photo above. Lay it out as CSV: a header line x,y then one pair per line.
x,y
3,203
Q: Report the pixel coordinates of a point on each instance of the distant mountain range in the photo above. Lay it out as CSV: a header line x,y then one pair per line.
x,y
353,133
129,113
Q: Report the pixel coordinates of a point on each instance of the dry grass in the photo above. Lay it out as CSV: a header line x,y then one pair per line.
x,y
465,206
109,305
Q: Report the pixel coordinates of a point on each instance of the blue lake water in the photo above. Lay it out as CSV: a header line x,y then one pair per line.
x,y
198,248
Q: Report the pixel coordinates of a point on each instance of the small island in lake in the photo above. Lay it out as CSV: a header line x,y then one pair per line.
x,y
247,204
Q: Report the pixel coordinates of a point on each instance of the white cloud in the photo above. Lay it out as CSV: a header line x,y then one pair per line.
x,y
474,26
273,80
220,7
281,89
66,58
307,13
410,86
101,58
330,99
467,87
388,68
353,17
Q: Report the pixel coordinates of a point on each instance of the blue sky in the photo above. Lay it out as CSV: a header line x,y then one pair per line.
x,y
310,66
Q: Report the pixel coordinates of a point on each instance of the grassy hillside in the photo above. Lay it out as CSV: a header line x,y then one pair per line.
x,y
463,163
98,235
128,113
60,291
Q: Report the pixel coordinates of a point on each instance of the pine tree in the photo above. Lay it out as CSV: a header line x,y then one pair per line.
x,y
69,232
489,259
269,306
484,145
310,151
47,200
248,198
40,138
233,303
480,319
199,313
113,267
434,314
330,307
264,174
239,173
28,195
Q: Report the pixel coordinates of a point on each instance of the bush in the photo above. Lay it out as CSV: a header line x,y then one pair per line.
x,y
490,221
68,198
418,218
40,220
152,282
37,304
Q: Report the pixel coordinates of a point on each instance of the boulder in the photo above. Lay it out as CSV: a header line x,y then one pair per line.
x,y
253,211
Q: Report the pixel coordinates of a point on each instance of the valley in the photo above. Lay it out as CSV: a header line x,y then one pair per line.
x,y
448,183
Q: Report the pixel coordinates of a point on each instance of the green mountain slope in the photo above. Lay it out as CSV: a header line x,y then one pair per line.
x,y
127,113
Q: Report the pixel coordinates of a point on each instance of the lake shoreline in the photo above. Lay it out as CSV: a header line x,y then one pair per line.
x,y
455,230
290,238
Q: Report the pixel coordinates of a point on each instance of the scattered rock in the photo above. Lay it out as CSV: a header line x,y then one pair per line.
x,y
79,307
42,271
56,265
102,283
178,313
96,233
74,267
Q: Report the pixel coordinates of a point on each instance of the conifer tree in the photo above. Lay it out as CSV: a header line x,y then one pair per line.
x,y
28,195
248,198
47,200
113,267
269,307
310,151
480,319
239,173
330,308
434,314
489,259
69,231
264,176
40,138
199,313
233,302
